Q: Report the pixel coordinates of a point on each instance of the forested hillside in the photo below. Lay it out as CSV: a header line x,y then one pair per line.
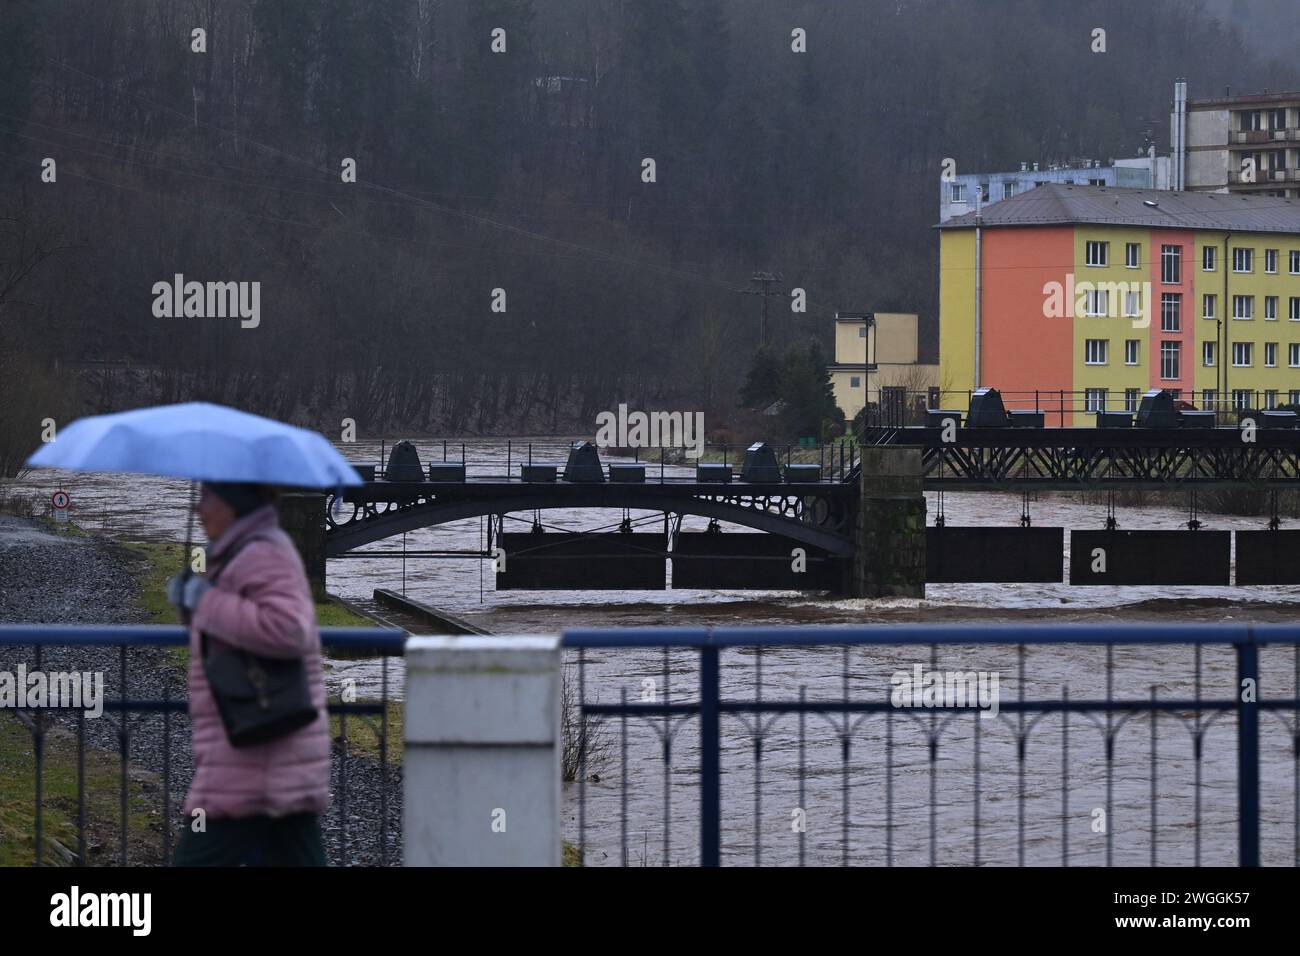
x,y
522,171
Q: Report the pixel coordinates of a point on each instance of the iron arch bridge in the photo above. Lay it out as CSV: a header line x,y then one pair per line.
x,y
820,514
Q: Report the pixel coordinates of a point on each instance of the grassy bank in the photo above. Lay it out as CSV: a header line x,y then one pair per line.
x,y
59,812
363,732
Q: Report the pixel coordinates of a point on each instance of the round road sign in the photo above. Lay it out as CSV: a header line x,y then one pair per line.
x,y
60,500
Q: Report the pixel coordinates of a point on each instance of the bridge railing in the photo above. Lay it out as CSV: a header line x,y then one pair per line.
x,y
70,755
836,459
1062,407
1100,744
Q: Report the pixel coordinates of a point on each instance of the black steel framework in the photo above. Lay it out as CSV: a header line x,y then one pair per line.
x,y
1074,458
819,514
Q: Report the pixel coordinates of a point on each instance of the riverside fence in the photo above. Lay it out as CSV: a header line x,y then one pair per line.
x,y
781,745
880,745
141,728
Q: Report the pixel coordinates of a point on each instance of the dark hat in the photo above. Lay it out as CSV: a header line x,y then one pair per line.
x,y
242,497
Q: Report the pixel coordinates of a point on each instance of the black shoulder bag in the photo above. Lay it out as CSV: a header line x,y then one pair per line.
x,y
259,698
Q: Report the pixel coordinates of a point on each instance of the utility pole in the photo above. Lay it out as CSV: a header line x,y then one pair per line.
x,y
765,280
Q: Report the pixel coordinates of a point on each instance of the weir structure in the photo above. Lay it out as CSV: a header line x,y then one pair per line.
x,y
851,521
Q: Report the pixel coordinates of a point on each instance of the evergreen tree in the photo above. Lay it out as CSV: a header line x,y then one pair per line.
x,y
762,385
807,392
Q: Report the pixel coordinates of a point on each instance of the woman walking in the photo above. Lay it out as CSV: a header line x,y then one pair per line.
x,y
252,803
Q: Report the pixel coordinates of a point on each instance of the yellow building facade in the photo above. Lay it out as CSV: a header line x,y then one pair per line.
x,y
879,361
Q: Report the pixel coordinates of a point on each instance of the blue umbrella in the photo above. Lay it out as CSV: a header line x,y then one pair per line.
x,y
199,441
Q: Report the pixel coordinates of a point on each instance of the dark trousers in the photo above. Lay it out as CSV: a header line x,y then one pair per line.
x,y
254,841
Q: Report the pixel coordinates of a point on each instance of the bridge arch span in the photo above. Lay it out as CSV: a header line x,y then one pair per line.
x,y
355,533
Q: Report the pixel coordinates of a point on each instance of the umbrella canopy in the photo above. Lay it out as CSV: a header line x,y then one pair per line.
x,y
199,441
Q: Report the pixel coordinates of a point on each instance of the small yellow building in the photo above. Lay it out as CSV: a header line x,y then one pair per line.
x,y
879,362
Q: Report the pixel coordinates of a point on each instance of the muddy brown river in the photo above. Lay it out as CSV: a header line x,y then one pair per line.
x,y
932,792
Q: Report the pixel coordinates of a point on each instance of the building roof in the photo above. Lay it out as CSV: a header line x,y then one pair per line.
x,y
1244,101
1058,204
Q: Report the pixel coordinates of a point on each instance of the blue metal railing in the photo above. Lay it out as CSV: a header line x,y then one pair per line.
x,y
733,659
711,707
384,642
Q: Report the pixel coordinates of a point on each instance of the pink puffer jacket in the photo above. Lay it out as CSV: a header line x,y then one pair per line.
x,y
261,603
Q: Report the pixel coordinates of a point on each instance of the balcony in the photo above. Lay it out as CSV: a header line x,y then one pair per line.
x,y
1251,136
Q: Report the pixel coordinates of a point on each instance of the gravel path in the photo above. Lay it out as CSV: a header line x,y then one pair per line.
x,y
55,579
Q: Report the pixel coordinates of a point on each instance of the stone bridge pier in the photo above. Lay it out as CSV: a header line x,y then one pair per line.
x,y
890,534
302,515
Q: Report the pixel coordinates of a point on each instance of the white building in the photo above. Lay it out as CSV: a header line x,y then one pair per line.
x,y
1248,143
959,195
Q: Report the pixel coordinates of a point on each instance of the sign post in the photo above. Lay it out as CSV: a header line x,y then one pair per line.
x,y
60,501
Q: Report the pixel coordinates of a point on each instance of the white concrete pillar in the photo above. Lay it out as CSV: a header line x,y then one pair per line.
x,y
481,772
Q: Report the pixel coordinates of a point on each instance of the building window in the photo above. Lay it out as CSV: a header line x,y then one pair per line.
x,y
1242,354
1208,260
1209,398
1132,254
1293,397
933,396
1270,307
958,192
1132,303
1096,302
1295,262
1270,355
1171,264
1131,352
1008,190
984,192
1210,306
1293,355
1270,260
1243,260
1094,351
1241,398
1294,308
855,381
1171,312
862,332
1270,398
1097,253
1170,354
1243,306
1094,399
1207,354
1277,118
1251,120
1130,399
